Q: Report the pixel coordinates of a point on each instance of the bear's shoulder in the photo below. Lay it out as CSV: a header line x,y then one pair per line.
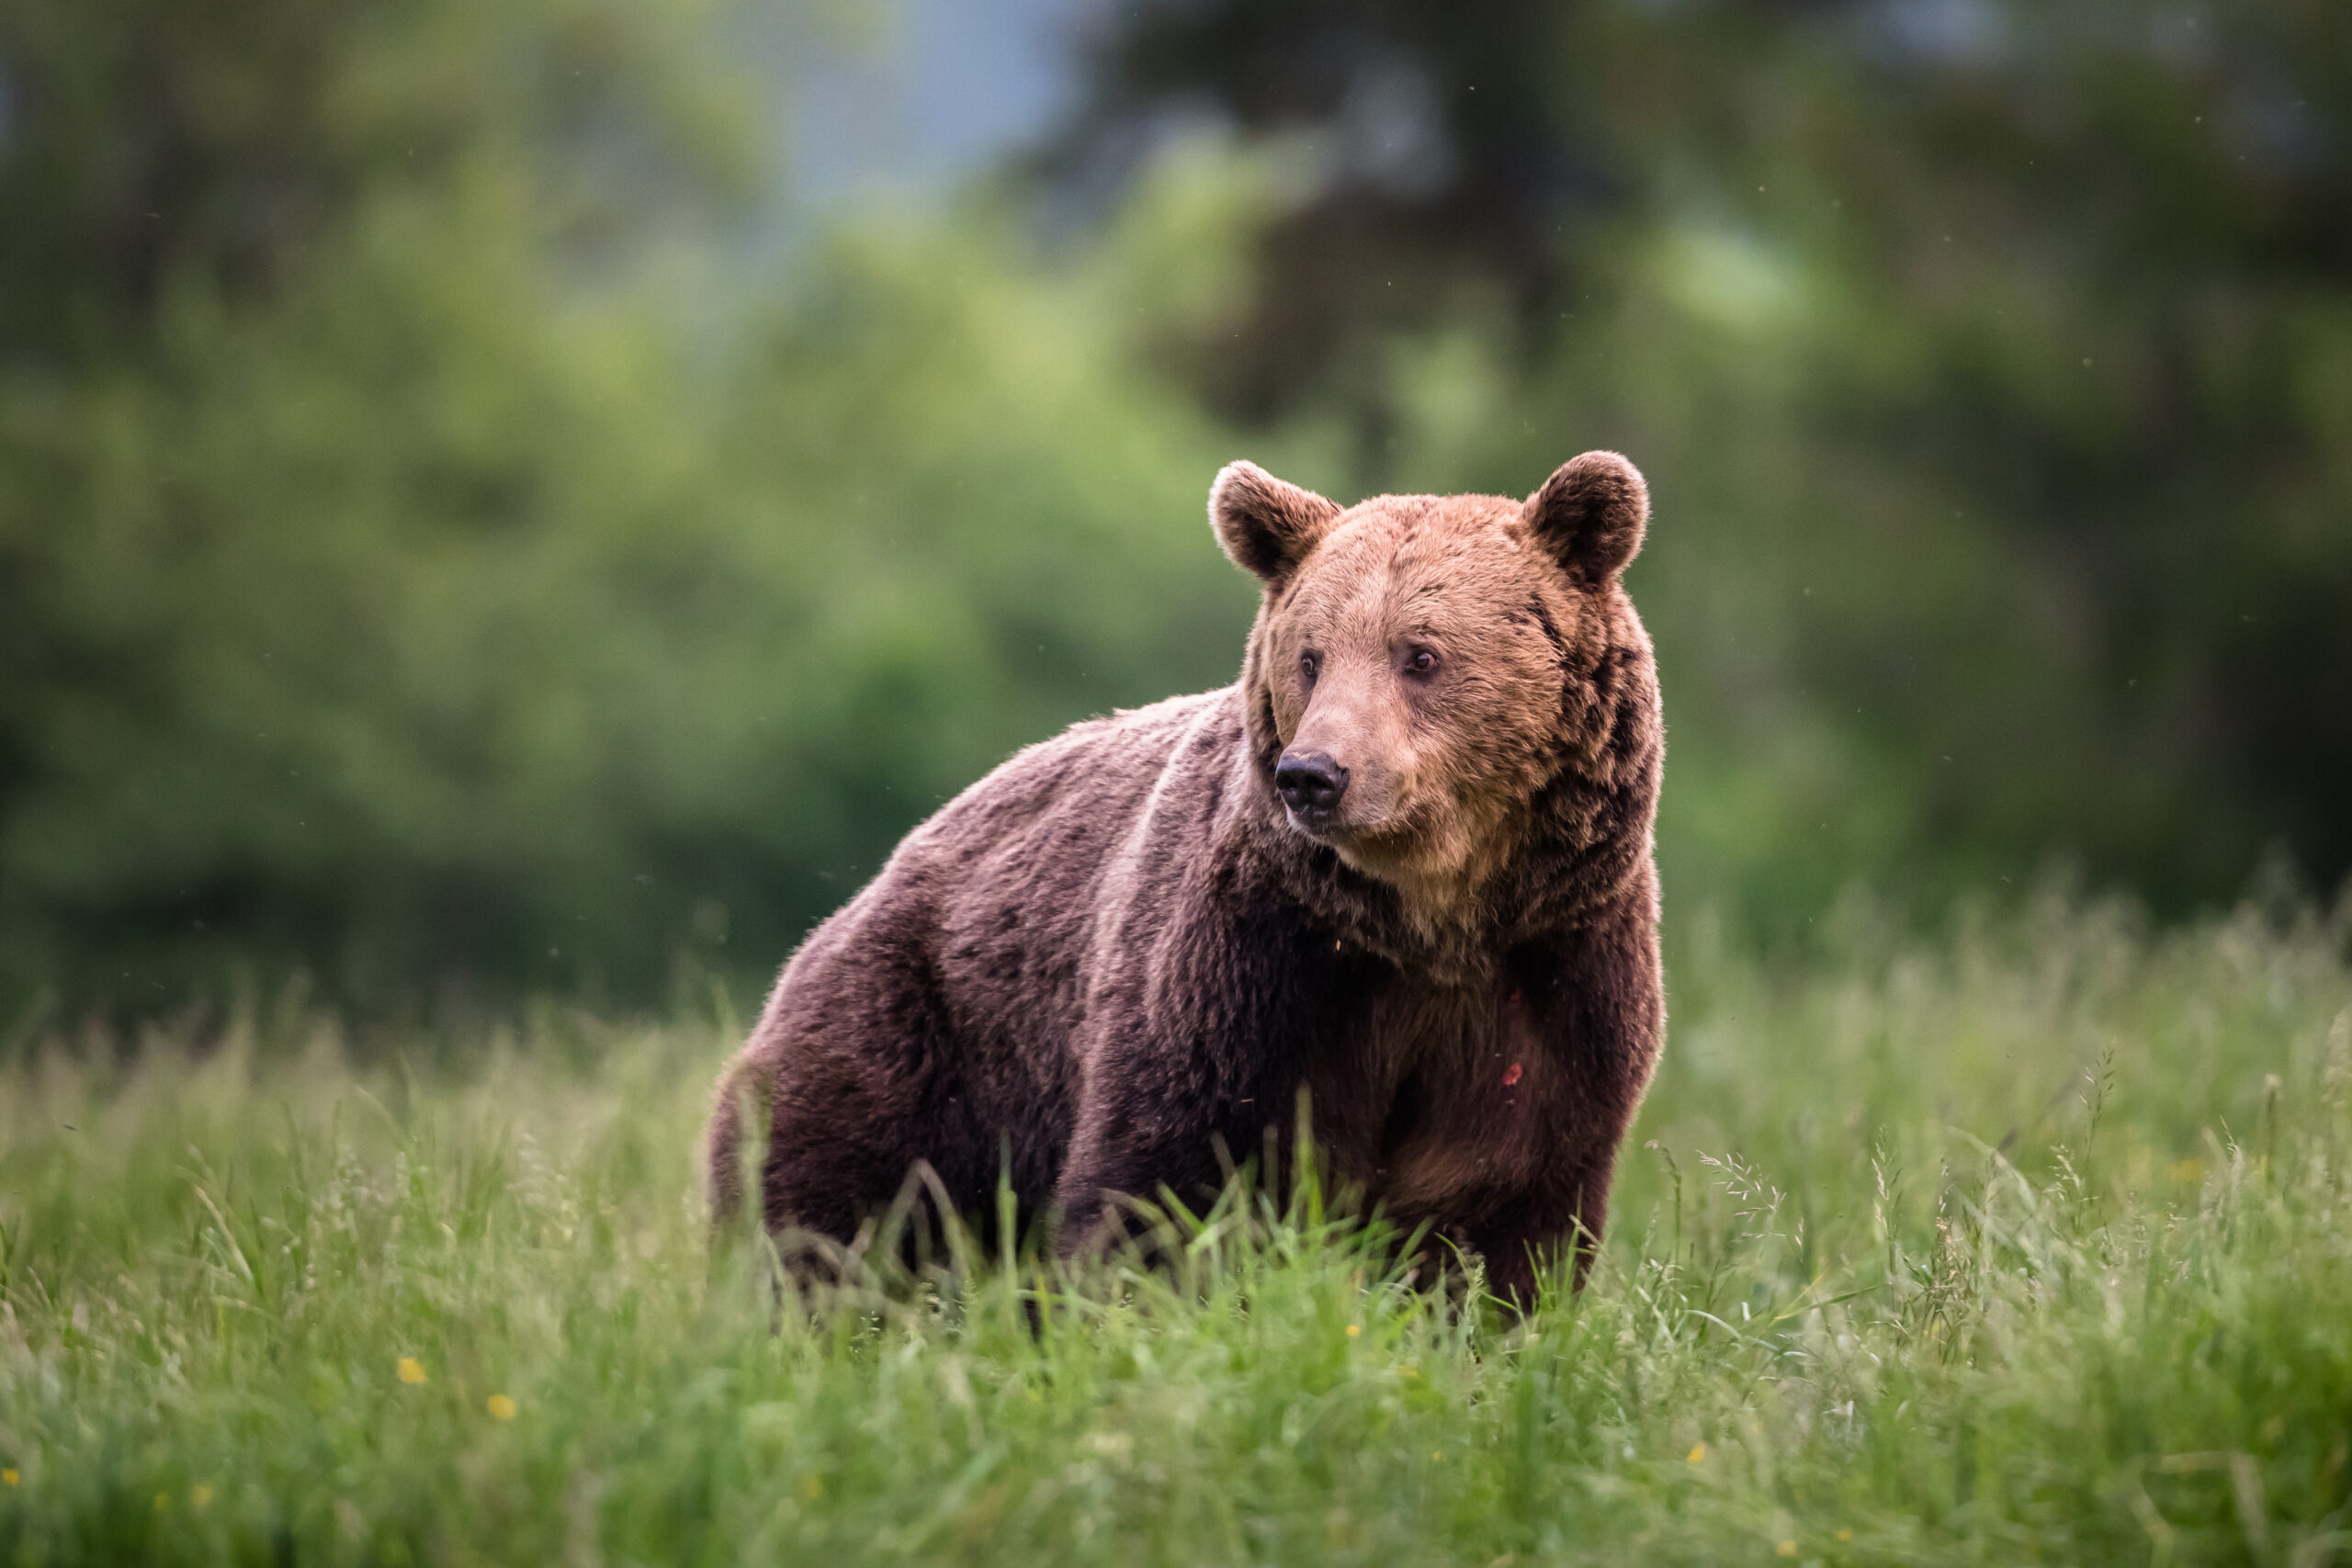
x,y
1092,768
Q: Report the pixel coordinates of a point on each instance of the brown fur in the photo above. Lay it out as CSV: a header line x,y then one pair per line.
x,y
1119,958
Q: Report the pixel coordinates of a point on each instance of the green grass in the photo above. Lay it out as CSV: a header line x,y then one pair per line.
x,y
2031,1244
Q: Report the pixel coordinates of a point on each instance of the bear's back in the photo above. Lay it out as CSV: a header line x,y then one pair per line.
x,y
992,907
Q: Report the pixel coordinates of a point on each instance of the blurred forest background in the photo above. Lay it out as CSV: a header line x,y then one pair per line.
x,y
485,512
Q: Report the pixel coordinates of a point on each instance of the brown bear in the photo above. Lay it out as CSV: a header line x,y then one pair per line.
x,y
1403,865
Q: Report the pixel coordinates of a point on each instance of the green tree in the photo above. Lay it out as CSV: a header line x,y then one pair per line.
x,y
460,571
1991,359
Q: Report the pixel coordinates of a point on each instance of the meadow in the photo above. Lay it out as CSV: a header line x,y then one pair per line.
x,y
2026,1240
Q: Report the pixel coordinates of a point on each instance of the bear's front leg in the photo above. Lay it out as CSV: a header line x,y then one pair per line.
x,y
1602,1014
1524,1237
1194,1047
1146,1128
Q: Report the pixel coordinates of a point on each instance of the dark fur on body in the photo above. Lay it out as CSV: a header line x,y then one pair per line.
x,y
1117,961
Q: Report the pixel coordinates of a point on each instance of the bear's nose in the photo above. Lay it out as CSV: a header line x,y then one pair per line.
x,y
1310,785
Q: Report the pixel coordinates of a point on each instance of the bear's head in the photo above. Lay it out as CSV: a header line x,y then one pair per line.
x,y
1425,667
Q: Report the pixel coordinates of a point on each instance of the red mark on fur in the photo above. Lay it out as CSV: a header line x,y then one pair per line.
x,y
1511,1074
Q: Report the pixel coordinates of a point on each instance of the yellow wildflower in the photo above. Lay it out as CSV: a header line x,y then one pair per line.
x,y
9,1478
1354,1329
200,1495
502,1408
411,1369
1846,1534
1698,1452
1786,1549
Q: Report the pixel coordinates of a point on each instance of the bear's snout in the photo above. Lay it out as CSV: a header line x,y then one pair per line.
x,y
1310,785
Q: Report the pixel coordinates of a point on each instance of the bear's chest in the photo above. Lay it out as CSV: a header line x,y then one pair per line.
x,y
1435,1094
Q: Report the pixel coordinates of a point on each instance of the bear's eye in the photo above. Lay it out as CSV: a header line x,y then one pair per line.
x,y
1421,662
1309,666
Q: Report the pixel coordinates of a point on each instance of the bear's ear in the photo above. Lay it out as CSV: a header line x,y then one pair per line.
x,y
1590,513
1266,525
